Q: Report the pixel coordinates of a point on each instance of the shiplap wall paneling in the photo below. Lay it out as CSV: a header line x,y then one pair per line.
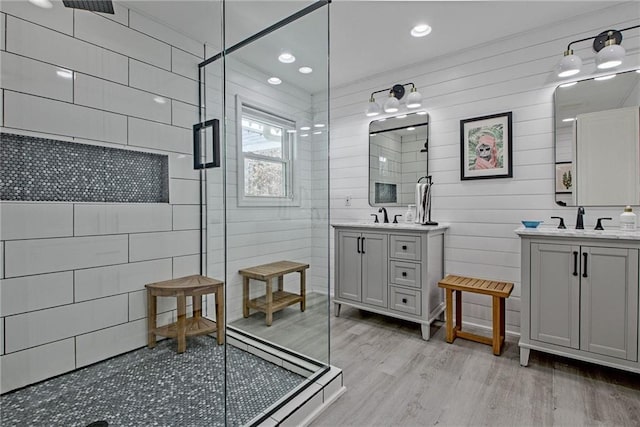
x,y
515,74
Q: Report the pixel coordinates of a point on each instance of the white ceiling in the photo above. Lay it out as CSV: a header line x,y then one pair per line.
x,y
367,37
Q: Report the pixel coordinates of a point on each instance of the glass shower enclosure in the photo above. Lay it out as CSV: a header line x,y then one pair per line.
x,y
140,147
263,145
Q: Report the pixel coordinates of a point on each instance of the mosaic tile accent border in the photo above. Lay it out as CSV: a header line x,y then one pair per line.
x,y
40,169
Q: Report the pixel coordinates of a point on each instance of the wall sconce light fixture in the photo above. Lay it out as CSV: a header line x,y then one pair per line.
x,y
392,104
609,52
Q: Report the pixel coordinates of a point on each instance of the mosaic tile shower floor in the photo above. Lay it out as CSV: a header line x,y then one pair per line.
x,y
154,387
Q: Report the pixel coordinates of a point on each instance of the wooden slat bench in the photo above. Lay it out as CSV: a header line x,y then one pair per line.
x,y
499,291
194,286
272,301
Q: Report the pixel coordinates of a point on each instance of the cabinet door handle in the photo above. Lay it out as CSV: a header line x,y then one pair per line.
x,y
358,245
404,274
404,247
575,263
584,267
363,245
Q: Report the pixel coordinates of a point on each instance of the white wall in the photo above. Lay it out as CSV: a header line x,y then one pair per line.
x,y
73,282
515,74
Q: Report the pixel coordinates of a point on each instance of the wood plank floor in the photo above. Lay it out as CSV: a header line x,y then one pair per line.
x,y
394,378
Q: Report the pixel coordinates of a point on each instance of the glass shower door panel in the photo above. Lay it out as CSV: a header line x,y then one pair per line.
x,y
276,134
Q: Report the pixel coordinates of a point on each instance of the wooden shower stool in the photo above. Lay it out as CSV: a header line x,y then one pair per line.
x,y
498,290
271,301
194,286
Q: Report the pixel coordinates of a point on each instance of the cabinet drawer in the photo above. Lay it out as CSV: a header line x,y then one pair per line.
x,y
405,300
405,273
405,247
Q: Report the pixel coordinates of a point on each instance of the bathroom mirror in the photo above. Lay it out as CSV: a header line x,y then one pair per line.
x,y
397,158
597,144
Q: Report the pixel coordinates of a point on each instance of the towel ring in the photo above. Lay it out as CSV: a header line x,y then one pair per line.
x,y
428,177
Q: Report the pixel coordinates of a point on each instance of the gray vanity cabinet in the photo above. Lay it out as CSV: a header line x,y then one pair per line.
x,y
580,299
391,270
363,267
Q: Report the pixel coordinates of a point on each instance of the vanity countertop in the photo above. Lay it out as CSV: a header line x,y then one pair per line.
x,y
614,233
409,226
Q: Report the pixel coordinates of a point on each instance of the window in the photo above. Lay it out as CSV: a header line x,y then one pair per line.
x,y
266,149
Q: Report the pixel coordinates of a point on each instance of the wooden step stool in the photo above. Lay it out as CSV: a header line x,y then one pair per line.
x,y
498,290
194,286
273,301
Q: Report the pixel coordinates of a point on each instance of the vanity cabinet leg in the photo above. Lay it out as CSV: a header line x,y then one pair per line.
x,y
524,356
426,331
336,309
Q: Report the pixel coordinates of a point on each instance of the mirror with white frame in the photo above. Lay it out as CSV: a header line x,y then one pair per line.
x,y
597,144
397,158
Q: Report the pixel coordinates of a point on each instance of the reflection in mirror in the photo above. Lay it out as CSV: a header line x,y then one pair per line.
x,y
397,158
597,143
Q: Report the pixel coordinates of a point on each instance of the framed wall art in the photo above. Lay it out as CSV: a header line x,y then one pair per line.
x,y
485,147
564,180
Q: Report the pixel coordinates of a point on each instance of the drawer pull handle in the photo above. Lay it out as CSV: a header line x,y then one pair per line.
x,y
404,274
404,247
584,271
404,300
575,263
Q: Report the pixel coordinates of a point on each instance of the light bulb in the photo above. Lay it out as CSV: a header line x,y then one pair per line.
x,y
611,55
373,109
286,57
414,100
392,104
569,65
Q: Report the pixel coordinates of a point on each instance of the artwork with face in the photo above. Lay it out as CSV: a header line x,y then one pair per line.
x,y
484,151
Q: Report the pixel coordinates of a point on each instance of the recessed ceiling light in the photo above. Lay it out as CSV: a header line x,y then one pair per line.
x,y
381,120
159,100
373,134
570,119
286,57
317,132
65,74
45,4
318,125
274,80
421,113
411,128
568,84
420,30
291,131
305,70
401,116
304,134
610,76
305,128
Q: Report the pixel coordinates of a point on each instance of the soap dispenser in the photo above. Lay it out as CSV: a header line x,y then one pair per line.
x,y
627,220
410,215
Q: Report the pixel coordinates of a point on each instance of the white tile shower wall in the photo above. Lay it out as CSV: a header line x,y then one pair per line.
x,y
37,78
32,293
95,346
73,294
93,283
38,42
36,364
119,38
58,17
43,326
121,218
3,23
30,220
27,112
514,74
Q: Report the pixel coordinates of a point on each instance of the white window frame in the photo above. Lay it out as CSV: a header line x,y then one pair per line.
x,y
265,114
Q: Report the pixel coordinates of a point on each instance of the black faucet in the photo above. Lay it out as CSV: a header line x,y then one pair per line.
x,y
386,218
579,224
